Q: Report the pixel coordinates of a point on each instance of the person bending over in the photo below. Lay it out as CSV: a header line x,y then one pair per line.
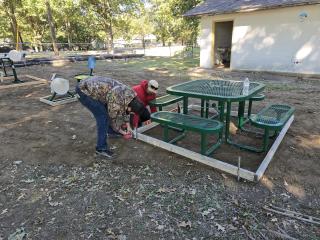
x,y
111,103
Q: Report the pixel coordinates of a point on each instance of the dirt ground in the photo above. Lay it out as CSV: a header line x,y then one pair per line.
x,y
53,187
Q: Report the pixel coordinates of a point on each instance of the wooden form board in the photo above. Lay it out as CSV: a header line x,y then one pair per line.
x,y
37,81
215,163
263,166
226,167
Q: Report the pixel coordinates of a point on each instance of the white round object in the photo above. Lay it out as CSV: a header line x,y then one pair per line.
x,y
16,56
60,86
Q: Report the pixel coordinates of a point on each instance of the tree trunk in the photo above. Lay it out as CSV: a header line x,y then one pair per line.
x,y
14,24
37,42
21,41
69,42
52,29
69,34
143,43
163,42
111,37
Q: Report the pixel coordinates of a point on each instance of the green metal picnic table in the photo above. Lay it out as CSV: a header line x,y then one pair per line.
x,y
223,91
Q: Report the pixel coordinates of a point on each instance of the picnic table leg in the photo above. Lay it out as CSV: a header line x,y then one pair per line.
x,y
241,113
202,107
204,143
207,108
165,133
52,96
249,108
265,140
221,112
185,105
228,116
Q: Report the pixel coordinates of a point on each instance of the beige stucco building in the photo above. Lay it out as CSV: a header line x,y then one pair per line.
x,y
277,36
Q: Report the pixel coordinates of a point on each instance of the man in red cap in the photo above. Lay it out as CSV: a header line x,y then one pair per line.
x,y
146,92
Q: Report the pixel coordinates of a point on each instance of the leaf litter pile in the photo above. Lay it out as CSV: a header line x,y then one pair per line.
x,y
109,201
51,187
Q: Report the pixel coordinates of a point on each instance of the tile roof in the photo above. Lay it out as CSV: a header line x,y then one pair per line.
x,y
215,7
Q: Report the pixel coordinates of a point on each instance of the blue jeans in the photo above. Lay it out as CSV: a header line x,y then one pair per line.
x,y
100,113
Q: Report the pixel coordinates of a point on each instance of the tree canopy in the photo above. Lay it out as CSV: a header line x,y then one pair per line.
x,y
83,21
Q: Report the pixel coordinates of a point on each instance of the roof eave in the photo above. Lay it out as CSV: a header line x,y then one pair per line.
x,y
246,10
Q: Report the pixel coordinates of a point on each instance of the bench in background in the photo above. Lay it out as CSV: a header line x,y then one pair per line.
x,y
166,100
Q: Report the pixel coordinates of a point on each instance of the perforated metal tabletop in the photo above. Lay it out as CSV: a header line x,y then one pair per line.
x,y
221,90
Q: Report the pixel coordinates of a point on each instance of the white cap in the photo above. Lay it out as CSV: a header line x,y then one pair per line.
x,y
153,86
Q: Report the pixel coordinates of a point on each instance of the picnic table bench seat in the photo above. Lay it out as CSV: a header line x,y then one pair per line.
x,y
272,117
165,101
191,123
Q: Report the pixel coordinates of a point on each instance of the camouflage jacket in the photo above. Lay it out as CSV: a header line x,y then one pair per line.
x,y
114,94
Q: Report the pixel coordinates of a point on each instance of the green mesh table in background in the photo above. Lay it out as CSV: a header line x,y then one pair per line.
x,y
81,77
223,91
163,101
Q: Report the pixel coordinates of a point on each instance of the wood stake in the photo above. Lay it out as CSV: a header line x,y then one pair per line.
x,y
239,160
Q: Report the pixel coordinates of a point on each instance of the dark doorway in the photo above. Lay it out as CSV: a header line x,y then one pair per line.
x,y
223,43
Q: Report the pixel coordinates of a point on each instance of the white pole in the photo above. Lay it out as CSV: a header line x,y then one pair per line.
x,y
1,76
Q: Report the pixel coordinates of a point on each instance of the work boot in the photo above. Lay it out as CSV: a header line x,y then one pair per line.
x,y
105,153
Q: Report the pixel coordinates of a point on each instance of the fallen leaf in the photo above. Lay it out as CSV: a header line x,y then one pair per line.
x,y
122,237
19,234
220,227
285,195
28,181
21,196
89,214
166,190
185,224
207,212
55,204
193,191
160,227
4,211
119,198
274,220
232,228
224,176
